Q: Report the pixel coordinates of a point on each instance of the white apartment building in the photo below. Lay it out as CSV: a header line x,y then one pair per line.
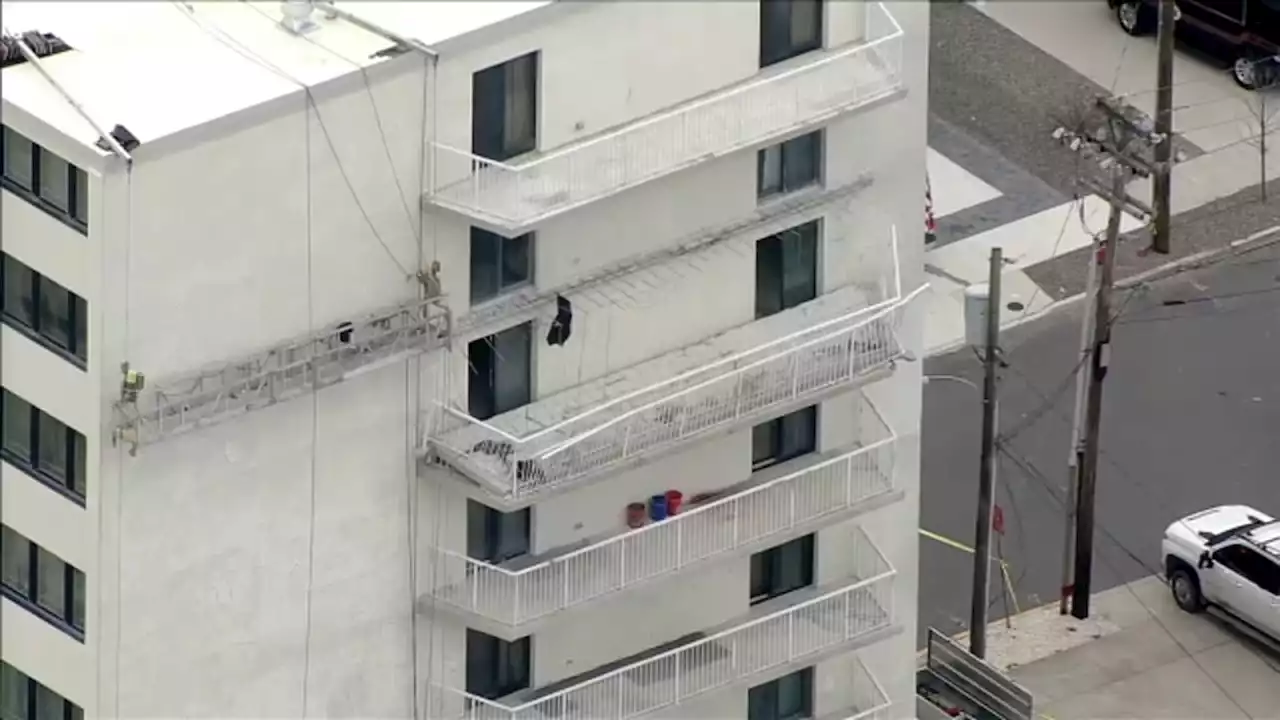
x,y
342,349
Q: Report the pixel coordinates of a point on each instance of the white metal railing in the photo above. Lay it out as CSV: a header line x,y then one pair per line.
x,y
826,489
835,82
870,701
789,635
725,393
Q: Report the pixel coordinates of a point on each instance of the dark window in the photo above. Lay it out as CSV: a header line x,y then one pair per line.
x,y
499,263
40,444
790,697
784,438
43,583
786,269
500,372
789,166
44,310
22,698
1252,566
782,569
46,180
495,536
496,668
504,109
789,28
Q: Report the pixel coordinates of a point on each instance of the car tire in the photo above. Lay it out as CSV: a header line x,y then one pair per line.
x,y
1134,17
1185,586
1253,73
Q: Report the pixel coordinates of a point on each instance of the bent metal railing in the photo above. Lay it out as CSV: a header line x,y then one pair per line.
x,y
829,488
739,388
834,618
514,196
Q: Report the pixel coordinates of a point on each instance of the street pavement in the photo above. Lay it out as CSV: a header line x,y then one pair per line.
x,y
1138,656
1004,76
1191,419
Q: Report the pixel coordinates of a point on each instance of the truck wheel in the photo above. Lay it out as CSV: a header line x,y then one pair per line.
x,y
1134,17
1186,590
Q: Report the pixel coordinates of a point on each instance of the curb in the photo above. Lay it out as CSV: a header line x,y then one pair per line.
x,y
1257,241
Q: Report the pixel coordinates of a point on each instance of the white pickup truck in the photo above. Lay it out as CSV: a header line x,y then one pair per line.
x,y
1227,556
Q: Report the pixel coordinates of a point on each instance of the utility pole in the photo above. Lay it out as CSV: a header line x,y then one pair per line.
x,y
1164,128
1119,141
1075,459
987,472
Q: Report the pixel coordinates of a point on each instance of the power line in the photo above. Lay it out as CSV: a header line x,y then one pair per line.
x,y
1029,469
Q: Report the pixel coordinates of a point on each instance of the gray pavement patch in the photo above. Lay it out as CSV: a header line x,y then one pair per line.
x,y
1021,193
1197,232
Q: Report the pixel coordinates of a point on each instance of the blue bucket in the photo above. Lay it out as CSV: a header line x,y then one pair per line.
x,y
658,508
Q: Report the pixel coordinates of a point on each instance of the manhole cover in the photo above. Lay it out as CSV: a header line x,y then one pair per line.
x,y
1016,306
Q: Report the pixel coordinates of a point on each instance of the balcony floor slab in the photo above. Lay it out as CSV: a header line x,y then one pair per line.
x,y
611,574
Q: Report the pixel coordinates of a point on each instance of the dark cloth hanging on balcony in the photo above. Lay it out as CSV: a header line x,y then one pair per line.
x,y
563,324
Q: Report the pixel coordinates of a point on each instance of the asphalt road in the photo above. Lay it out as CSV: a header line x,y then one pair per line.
x,y
1191,419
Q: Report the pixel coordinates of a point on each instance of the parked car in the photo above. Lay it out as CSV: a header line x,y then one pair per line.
x,y
1227,556
1245,33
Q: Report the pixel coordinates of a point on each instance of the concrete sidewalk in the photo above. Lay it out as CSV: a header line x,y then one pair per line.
x,y
1139,656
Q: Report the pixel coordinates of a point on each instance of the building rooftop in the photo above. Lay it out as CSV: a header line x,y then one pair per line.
x,y
162,67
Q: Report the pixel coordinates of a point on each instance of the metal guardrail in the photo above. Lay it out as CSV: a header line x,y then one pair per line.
x,y
700,533
676,676
722,394
515,196
977,680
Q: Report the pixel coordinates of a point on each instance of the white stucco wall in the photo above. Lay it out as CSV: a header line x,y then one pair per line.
x,y
218,549
68,393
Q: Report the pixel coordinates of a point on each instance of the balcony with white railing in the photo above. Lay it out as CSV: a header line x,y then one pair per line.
x,y
833,82
813,625
870,701
827,491
745,376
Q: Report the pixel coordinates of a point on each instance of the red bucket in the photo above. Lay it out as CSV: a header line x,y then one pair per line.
x,y
675,499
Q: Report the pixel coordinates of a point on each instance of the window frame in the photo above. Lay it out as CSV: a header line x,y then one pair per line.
x,y
503,651
498,544
773,48
76,350
30,701
67,621
492,89
774,255
73,483
1258,561
77,183
777,428
490,387
502,247
769,694
787,152
772,564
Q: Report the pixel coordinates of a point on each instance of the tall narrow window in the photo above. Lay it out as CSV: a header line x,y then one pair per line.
x,y
786,269
44,310
42,446
500,372
789,28
504,109
55,180
784,438
782,569
498,263
494,536
43,583
789,166
19,160
496,668
22,698
790,697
